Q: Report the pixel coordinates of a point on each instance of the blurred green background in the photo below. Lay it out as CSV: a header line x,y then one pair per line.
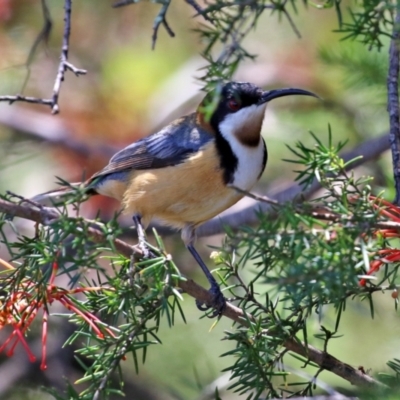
x,y
131,91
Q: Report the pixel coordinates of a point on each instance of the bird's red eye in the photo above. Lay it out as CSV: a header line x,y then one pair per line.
x,y
233,104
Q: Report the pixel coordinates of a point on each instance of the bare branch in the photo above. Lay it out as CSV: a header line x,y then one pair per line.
x,y
72,68
393,104
64,64
161,19
18,97
326,361
292,24
323,215
199,10
158,20
369,150
62,67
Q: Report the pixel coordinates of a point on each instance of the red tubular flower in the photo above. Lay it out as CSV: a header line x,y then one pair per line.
x,y
19,313
43,365
21,308
392,212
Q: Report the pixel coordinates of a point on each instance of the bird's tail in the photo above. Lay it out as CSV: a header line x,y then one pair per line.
x,y
61,195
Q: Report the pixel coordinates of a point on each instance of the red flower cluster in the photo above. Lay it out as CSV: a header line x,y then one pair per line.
x,y
21,308
392,212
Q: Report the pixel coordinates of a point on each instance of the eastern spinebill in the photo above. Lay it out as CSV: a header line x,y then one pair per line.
x,y
182,175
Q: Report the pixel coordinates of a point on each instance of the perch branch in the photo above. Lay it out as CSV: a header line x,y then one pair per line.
x,y
326,361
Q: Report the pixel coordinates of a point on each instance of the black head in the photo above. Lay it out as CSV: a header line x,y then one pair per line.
x,y
236,96
233,97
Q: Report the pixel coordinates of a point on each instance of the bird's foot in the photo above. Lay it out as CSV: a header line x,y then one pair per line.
x,y
218,302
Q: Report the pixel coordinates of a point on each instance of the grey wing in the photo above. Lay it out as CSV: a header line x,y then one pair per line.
x,y
170,146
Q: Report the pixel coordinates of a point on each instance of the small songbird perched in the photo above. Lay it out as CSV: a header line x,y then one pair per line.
x,y
182,175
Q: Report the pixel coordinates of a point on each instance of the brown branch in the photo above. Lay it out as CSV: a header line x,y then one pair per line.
x,y
46,216
393,104
369,150
323,215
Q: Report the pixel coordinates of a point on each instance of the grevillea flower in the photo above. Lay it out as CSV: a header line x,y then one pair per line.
x,y
22,306
18,313
392,212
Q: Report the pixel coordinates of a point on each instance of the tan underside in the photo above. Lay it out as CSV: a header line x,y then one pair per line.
x,y
188,193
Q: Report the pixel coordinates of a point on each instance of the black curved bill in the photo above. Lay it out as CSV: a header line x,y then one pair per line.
x,y
274,94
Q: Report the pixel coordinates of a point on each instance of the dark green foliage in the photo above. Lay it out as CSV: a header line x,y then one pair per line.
x,y
229,23
301,263
303,257
129,299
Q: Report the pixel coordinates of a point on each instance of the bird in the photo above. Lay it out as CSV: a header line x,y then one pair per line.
x,y
185,174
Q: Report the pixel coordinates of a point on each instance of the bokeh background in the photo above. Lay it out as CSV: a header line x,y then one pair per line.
x,y
130,91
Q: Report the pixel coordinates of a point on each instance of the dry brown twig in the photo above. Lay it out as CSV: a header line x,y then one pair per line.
x,y
160,19
326,361
63,66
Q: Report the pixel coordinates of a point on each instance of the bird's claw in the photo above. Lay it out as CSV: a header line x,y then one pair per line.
x,y
218,302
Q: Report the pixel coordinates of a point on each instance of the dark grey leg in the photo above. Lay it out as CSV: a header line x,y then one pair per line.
x,y
218,300
137,220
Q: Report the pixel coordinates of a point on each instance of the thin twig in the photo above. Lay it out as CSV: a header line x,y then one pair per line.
x,y
158,20
258,197
199,10
393,103
292,24
161,19
323,215
27,99
64,64
45,216
117,359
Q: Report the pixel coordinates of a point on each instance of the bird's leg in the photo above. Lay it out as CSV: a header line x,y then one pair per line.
x,y
137,220
218,300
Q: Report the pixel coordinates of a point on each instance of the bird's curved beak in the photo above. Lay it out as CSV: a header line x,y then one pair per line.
x,y
274,94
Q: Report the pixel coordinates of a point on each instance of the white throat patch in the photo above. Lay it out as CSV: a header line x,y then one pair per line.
x,y
250,158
